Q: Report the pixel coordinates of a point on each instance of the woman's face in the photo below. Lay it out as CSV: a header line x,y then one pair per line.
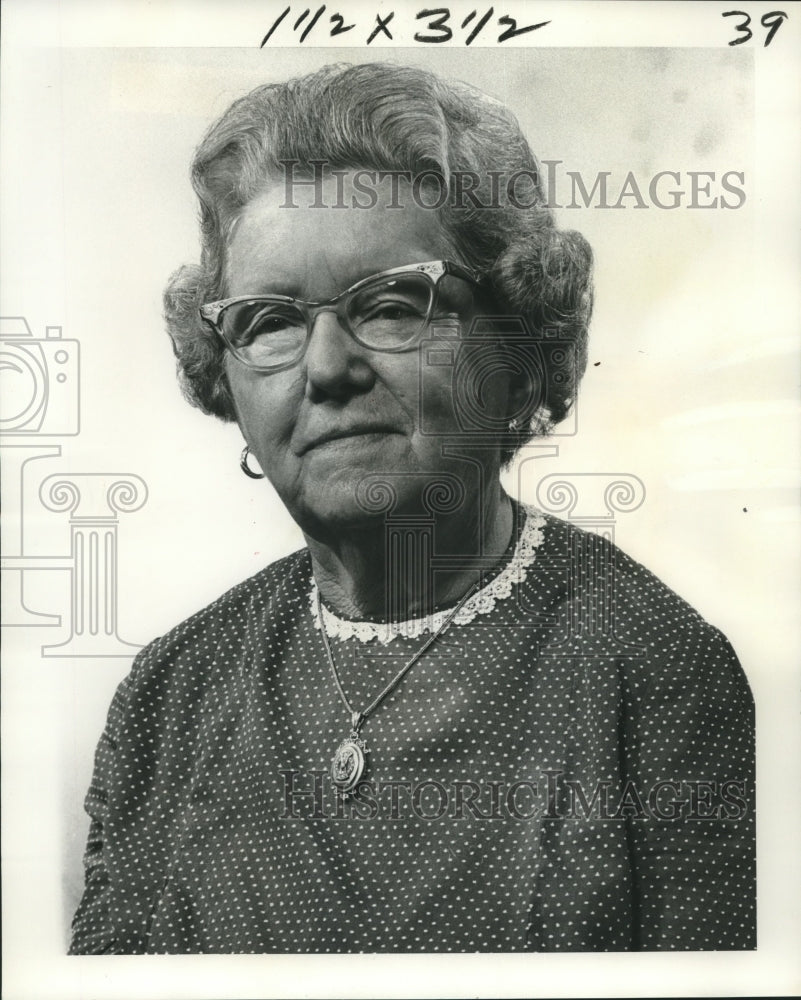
x,y
345,412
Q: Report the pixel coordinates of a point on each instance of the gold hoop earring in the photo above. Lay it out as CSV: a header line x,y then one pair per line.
x,y
243,464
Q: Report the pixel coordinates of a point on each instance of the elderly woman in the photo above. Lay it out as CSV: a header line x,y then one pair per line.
x,y
411,735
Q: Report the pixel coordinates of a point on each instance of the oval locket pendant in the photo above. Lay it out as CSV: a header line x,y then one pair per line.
x,y
348,764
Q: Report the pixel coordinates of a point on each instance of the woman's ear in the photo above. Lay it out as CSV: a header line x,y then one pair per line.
x,y
525,384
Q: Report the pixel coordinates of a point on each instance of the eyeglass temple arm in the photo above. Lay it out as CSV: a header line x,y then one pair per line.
x,y
460,271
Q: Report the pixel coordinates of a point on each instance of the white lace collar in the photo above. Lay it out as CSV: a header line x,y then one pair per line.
x,y
481,603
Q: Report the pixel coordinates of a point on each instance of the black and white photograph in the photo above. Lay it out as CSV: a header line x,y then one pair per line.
x,y
400,469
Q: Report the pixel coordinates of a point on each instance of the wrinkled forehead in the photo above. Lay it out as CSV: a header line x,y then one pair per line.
x,y
328,231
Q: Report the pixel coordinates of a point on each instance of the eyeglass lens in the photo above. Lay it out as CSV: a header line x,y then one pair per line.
x,y
385,314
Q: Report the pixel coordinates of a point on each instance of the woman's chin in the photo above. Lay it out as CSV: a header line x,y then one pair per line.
x,y
333,514
354,500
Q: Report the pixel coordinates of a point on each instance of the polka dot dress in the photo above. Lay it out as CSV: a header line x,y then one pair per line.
x,y
570,767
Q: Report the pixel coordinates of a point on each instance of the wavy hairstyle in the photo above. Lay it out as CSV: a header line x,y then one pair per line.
x,y
394,118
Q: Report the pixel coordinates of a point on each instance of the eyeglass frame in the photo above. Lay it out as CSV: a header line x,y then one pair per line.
x,y
433,270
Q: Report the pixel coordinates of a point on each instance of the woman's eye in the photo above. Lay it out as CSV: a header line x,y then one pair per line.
x,y
269,324
393,310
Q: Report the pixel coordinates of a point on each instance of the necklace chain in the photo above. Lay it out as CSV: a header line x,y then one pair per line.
x,y
359,718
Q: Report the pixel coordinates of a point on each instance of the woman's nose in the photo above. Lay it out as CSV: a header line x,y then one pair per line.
x,y
335,364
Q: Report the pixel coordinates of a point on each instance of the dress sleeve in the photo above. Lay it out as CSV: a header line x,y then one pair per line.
x,y
92,927
690,734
